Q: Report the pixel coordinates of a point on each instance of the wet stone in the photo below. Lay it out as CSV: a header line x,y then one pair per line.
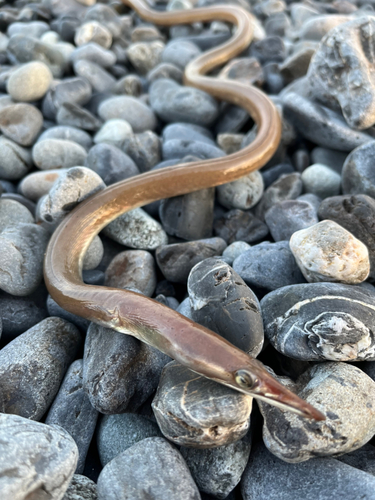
x,y
243,193
110,163
132,269
99,78
358,173
113,132
119,371
67,133
321,180
77,90
289,216
52,154
237,225
33,366
180,53
222,302
176,260
137,114
36,461
144,56
117,433
194,411
151,467
81,488
268,266
328,252
72,115
93,52
335,389
334,321
143,149
21,123
30,82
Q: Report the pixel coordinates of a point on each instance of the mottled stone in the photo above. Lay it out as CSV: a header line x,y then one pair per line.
x,y
222,302
143,149
287,217
243,193
192,410
321,180
93,31
12,213
237,225
328,252
134,111
144,56
358,174
108,17
30,82
129,85
21,123
15,161
81,487
52,154
110,163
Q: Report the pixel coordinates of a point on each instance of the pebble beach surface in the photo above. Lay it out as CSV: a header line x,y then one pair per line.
x,y
280,263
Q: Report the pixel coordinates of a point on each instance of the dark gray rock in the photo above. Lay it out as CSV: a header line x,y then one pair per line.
x,y
286,217
178,148
176,261
362,459
222,302
77,90
192,410
330,157
21,123
243,193
67,133
269,266
119,371
180,53
55,310
237,225
81,488
110,163
33,366
72,115
358,174
334,321
140,116
272,174
269,49
72,411
144,149
235,250
152,467
231,119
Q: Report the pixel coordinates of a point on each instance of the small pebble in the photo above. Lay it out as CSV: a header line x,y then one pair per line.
x,y
72,115
234,250
138,115
76,90
114,132
94,254
237,225
55,310
81,487
144,149
13,213
29,82
93,32
179,53
15,161
99,78
144,56
67,133
38,184
243,193
52,154
110,163
21,123
357,173
287,217
95,53
321,180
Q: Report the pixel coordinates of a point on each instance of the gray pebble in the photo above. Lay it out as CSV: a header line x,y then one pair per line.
x,y
108,17
110,163
143,149
99,78
243,193
34,28
93,31
13,213
140,116
247,70
76,90
38,184
55,310
113,132
151,467
129,85
315,27
363,458
230,143
187,132
237,225
93,52
94,254
358,173
15,161
33,366
165,70
36,460
180,53
231,119
312,199
81,488
21,123
330,157
145,55
234,250
52,154
321,180
29,82
178,148
67,133
287,217
72,115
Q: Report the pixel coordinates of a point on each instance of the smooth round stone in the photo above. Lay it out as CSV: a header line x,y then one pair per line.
x,y
72,115
95,53
289,216
321,321
71,410
180,53
33,366
330,157
172,102
237,225
328,252
34,28
326,478
20,199
165,70
187,132
356,214
178,148
81,487
217,471
36,460
136,229
234,250
144,56
15,161
144,149
38,184
287,187
269,266
73,186
55,310
230,143
176,261
22,250
192,410
93,32
151,467
29,82
114,132
146,34
119,371
189,216
137,114
21,123
335,389
168,301
100,80
221,301
117,433
76,90
108,17
358,174
13,213
52,154
132,269
69,134
321,180
129,85
243,193
231,119
110,163
93,255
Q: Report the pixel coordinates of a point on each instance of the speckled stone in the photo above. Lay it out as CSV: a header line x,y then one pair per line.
x,y
237,225
334,321
81,487
52,154
12,212
36,460
358,174
110,163
151,467
328,252
144,56
15,161
113,132
221,301
67,133
243,193
29,82
192,410
93,31
289,216
140,116
230,143
143,149
321,180
21,123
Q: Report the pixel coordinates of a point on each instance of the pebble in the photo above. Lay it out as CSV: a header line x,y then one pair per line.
x,y
119,371
135,112
312,199
334,321
330,157
129,85
234,250
114,132
297,64
176,260
318,26
165,70
21,123
328,252
146,34
192,410
171,102
222,302
95,53
110,163
144,56
180,53
321,180
243,193
94,254
237,225
108,17
36,461
269,49
52,154
151,467
356,214
117,433
144,149
230,143
35,29
13,213
71,410
22,248
335,389
81,487
93,31
72,115
76,90
99,78
55,310
67,133
38,184
132,269
187,132
268,266
33,366
287,217
29,82
244,69
179,148
357,173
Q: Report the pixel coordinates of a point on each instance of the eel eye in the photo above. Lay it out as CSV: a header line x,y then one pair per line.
x,y
244,379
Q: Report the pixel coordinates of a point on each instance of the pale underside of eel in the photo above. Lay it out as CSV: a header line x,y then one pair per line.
x,y
200,349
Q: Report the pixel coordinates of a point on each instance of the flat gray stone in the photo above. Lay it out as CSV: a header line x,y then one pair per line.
x,y
321,180
140,116
288,216
67,133
52,154
12,213
95,53
180,53
110,163
21,123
